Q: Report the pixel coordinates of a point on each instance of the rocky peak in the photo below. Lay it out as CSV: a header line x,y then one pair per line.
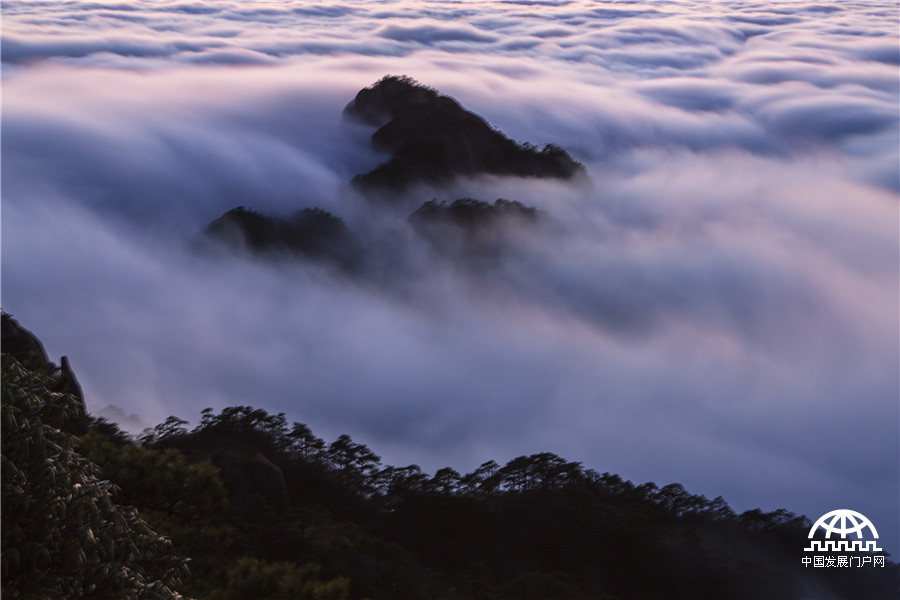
x,y
27,349
433,139
24,346
390,97
311,233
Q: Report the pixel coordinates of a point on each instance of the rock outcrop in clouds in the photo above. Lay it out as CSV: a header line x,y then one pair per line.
x,y
431,139
310,233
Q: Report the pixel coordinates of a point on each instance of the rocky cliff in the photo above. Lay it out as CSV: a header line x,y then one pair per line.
x,y
432,139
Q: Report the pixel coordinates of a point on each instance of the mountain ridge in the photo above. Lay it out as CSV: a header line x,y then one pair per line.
x,y
284,510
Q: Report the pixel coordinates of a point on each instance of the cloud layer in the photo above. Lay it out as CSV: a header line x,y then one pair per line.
x,y
718,308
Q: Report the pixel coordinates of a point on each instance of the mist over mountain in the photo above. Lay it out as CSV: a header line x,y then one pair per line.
x,y
465,228
715,303
473,228
311,233
434,140
417,118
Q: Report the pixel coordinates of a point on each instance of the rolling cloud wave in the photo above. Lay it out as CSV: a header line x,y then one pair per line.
x,y
718,307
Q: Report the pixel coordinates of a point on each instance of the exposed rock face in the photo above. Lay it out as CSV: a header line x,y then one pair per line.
x,y
243,478
269,481
433,139
26,348
67,383
311,233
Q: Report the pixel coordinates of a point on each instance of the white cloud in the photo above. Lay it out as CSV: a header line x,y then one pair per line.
x,y
718,308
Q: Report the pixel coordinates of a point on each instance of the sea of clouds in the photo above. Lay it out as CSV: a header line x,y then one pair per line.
x,y
718,306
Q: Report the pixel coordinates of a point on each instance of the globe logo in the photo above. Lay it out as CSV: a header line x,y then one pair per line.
x,y
843,523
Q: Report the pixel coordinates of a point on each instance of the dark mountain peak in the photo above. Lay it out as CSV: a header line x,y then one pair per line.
x,y
241,226
24,346
310,233
392,96
433,139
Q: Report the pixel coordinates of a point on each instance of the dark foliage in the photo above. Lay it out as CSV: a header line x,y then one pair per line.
x,y
63,536
267,510
432,139
539,526
23,346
